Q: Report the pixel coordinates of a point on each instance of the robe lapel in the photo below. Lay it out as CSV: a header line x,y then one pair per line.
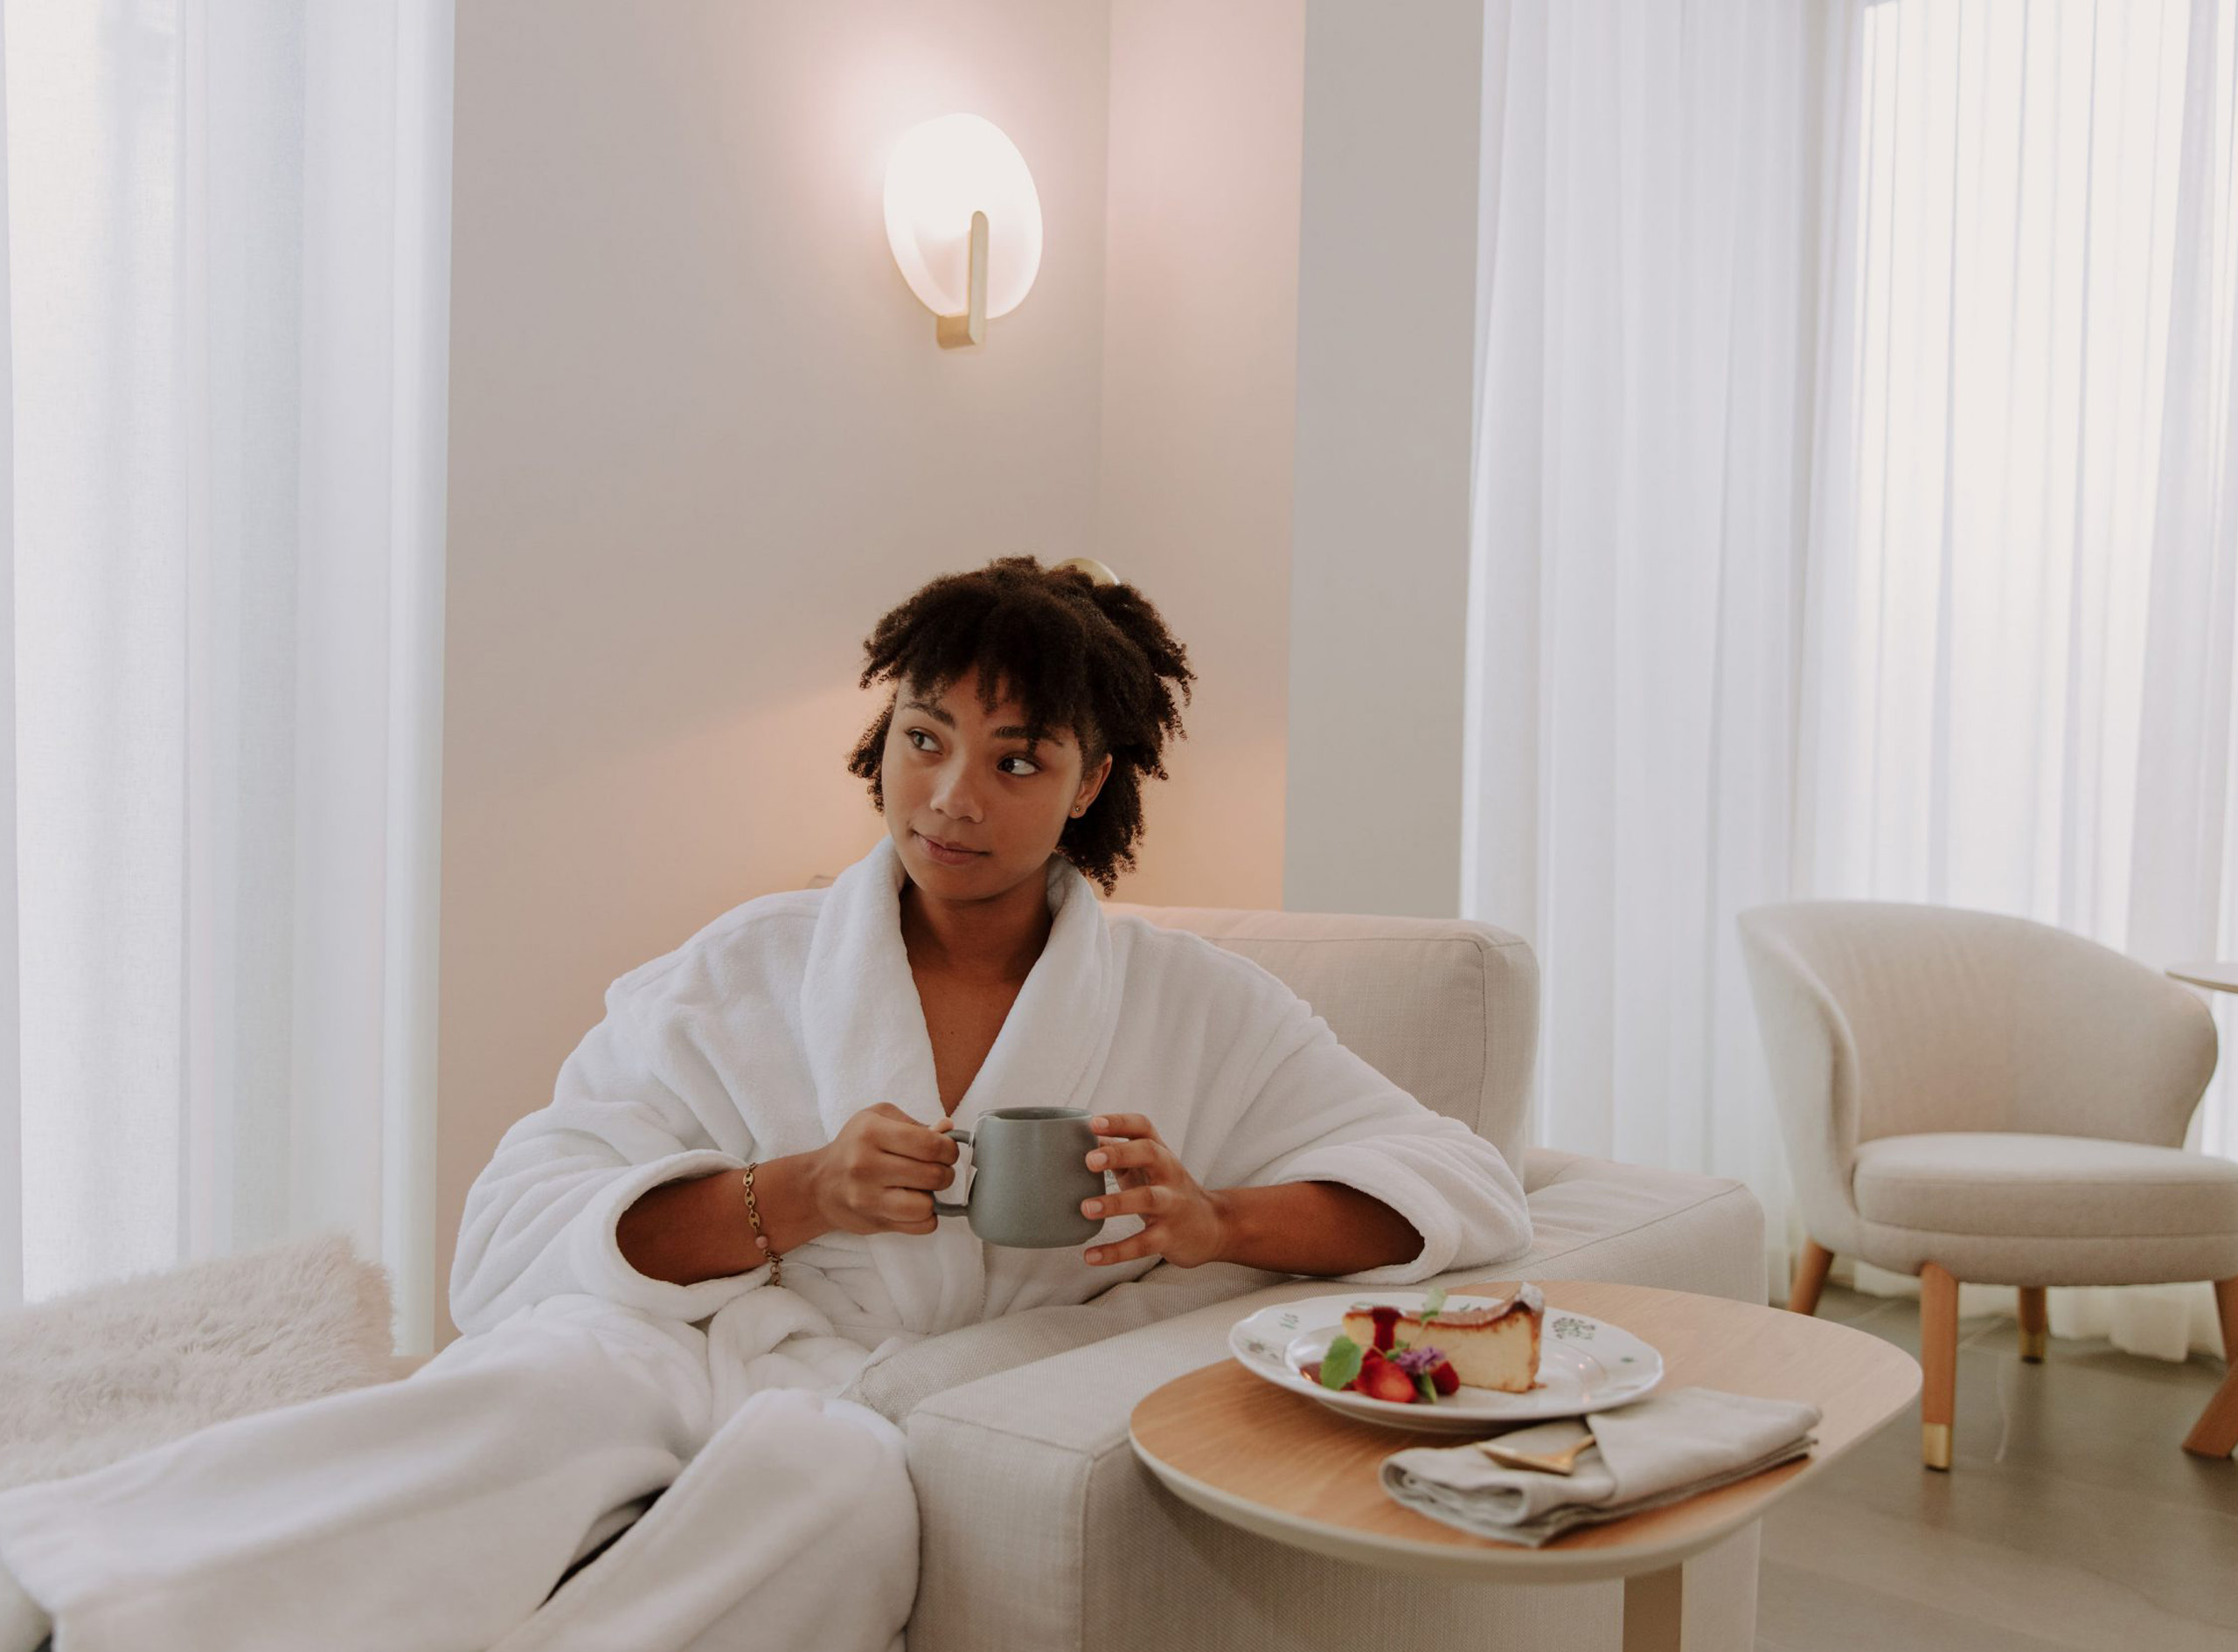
x,y
863,1029
861,1025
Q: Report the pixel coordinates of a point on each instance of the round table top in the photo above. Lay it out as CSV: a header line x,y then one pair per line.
x,y
1288,1467
2218,976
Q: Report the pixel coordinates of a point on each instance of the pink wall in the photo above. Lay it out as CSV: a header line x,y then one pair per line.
x,y
701,436
1199,409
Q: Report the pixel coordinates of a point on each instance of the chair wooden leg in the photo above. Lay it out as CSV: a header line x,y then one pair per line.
x,y
2034,1332
2216,1433
1938,1364
1810,1277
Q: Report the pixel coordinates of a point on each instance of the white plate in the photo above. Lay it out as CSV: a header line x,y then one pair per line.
x,y
1585,1364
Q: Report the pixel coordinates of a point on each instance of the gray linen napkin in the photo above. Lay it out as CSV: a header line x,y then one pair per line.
x,y
1662,1449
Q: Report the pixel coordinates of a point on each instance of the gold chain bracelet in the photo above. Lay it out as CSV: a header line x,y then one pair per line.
x,y
760,1239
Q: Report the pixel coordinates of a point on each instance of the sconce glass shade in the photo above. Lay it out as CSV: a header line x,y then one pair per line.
x,y
941,174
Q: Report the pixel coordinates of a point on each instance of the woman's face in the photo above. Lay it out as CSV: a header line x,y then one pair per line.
x,y
973,808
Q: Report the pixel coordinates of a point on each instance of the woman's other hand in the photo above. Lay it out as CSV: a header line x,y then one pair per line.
x,y
879,1173
1182,1221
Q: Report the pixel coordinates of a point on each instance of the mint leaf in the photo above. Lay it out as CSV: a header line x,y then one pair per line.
x,y
1434,1306
1426,1388
1341,1363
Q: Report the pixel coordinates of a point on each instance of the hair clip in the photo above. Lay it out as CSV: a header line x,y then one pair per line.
x,y
1091,567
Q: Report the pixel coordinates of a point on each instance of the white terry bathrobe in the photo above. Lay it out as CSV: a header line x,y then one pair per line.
x,y
438,1512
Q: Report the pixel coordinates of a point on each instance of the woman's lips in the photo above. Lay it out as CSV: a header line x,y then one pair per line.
x,y
946,856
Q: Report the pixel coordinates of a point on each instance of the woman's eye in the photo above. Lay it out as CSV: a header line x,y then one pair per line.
x,y
914,735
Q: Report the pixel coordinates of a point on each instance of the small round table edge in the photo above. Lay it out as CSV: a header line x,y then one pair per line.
x,y
2216,975
1608,1550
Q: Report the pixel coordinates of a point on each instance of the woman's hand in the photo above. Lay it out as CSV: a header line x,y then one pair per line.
x,y
879,1173
1183,1223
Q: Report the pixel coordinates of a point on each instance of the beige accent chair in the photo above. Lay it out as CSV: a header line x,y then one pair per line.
x,y
1972,1097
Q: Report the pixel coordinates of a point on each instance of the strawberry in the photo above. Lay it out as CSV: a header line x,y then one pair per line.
x,y
1381,1379
1445,1379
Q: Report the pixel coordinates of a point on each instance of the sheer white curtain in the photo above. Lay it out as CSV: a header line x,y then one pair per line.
x,y
1647,274
1856,514
226,254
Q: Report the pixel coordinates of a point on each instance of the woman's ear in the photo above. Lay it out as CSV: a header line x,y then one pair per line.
x,y
1091,785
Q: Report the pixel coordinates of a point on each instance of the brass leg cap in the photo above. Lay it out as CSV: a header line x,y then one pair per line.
x,y
2032,1345
1934,1445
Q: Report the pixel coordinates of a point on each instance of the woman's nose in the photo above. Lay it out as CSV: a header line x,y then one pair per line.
x,y
955,797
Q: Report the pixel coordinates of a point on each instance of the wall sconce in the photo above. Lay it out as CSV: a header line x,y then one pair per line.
x,y
964,223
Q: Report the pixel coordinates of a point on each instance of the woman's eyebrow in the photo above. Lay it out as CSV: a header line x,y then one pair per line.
x,y
938,714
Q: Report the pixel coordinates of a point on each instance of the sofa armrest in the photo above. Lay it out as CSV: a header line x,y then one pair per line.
x,y
1594,1219
1023,1474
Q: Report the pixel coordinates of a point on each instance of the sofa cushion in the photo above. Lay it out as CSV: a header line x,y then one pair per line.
x,y
1447,1010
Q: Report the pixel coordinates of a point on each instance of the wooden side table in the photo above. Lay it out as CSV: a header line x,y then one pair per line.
x,y
1286,1468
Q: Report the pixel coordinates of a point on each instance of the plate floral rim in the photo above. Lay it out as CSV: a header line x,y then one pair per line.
x,y
1251,1340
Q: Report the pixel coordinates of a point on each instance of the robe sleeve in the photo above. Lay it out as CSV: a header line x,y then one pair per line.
x,y
540,1219
1316,1112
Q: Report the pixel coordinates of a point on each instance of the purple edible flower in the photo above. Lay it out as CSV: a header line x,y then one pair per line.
x,y
1415,1361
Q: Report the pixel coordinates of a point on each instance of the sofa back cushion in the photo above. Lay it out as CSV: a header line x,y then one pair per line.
x,y
1446,1009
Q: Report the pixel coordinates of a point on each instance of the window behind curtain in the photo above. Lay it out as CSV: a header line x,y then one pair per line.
x,y
2023,669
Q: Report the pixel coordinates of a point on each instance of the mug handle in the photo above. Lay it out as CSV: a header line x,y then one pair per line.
x,y
941,1207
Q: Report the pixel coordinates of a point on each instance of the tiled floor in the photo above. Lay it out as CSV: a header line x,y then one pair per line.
x,y
2071,1517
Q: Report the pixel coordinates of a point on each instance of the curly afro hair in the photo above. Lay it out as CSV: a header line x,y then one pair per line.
x,y
1093,659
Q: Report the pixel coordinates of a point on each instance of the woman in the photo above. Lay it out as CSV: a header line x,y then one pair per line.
x,y
725,1214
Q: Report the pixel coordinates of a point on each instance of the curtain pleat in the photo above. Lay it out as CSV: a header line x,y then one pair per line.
x,y
1644,348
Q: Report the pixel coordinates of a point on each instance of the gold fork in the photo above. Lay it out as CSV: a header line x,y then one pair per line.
x,y
1545,1451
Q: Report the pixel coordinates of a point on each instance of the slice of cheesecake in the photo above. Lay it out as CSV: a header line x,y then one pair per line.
x,y
1495,1346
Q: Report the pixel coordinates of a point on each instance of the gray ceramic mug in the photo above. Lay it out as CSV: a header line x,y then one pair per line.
x,y
1029,1175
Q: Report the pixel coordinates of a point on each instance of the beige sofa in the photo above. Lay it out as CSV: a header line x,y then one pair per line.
x,y
1042,1533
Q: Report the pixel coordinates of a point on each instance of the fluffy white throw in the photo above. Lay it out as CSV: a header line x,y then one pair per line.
x,y
765,1032
98,1375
